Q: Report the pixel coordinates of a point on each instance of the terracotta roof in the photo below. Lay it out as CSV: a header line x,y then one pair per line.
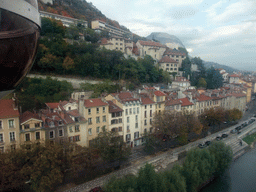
x,y
167,59
185,102
7,110
74,113
234,75
146,101
113,108
238,94
104,41
203,97
173,102
151,43
28,115
159,93
183,79
52,105
94,102
174,52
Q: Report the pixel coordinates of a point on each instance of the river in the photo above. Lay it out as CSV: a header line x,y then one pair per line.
x,y
240,177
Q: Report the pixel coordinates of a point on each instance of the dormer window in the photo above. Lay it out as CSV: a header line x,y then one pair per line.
x,y
51,124
26,126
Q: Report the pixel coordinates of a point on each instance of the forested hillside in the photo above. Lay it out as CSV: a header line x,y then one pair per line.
x,y
86,59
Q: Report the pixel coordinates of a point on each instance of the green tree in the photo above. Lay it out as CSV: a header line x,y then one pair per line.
x,y
202,83
214,79
110,146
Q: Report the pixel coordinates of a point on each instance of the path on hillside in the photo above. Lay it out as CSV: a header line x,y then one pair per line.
x,y
75,81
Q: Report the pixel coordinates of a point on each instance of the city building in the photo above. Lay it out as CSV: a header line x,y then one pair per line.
x,y
176,55
168,64
9,125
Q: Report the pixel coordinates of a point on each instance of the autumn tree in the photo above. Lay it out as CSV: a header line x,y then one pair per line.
x,y
111,146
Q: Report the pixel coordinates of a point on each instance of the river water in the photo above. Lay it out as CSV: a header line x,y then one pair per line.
x,y
240,177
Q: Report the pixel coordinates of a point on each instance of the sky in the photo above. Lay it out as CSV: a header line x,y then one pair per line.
x,y
219,31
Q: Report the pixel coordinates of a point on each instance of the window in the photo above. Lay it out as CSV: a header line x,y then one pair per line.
x,y
128,119
37,135
97,119
98,129
128,128
27,137
136,118
61,133
37,125
167,69
145,115
145,122
136,125
89,111
104,118
104,109
128,137
167,65
97,110
134,111
120,120
150,113
26,126
159,106
77,128
89,121
120,129
90,131
150,121
130,111
12,136
11,123
126,112
1,125
13,147
1,137
150,106
77,138
51,134
136,135
71,129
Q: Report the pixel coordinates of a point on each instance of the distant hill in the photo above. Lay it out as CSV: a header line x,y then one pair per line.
x,y
228,69
166,39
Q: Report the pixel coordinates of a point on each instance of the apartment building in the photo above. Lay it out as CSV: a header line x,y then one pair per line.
x,y
131,106
234,78
31,128
175,55
9,125
168,64
66,21
159,98
99,26
204,102
186,105
147,114
116,119
154,49
96,112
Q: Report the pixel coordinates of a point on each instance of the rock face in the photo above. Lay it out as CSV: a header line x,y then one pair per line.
x,y
166,39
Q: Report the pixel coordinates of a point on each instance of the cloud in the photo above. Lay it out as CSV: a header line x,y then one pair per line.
x,y
232,12
181,12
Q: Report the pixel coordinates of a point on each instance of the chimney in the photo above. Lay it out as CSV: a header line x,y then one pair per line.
x,y
15,102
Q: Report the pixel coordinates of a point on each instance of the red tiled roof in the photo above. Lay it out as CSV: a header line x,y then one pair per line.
x,y
185,102
234,75
159,93
113,108
238,94
146,101
174,52
203,97
167,59
178,79
94,102
173,102
151,43
52,105
7,110
28,115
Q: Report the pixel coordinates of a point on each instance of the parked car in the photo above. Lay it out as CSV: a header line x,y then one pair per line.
x,y
238,132
238,128
207,143
233,131
200,145
218,138
224,135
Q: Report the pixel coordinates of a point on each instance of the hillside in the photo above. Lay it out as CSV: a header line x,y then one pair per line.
x,y
228,69
79,9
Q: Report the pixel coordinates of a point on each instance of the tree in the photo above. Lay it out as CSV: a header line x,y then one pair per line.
x,y
186,67
214,79
110,146
202,83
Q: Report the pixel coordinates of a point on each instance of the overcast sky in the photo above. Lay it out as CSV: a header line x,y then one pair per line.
x,y
218,31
